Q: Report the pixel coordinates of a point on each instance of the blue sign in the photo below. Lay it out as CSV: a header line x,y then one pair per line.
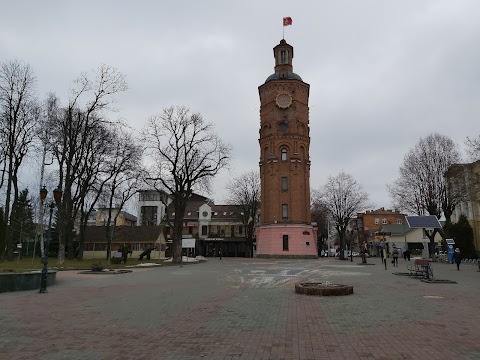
x,y
451,252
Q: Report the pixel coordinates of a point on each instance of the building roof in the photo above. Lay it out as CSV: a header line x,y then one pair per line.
x,y
144,233
191,210
219,212
226,212
128,216
290,76
380,211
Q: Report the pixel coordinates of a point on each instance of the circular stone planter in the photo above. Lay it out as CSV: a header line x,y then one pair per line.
x,y
13,281
323,289
106,272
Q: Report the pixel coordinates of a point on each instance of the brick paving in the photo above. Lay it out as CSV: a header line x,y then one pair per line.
x,y
246,309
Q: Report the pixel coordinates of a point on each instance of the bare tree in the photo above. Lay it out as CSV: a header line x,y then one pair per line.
x,y
187,154
473,148
94,173
343,197
321,216
422,187
245,192
76,142
124,180
19,113
50,111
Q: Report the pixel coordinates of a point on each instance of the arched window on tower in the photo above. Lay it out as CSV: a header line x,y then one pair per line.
x,y
283,56
284,153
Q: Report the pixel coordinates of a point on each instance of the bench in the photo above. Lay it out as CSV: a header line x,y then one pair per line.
x,y
421,267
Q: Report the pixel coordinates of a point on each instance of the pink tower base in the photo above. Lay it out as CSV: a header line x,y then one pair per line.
x,y
302,241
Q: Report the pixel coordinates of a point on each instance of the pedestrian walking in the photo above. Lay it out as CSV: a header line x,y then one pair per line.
x,y
384,258
457,257
408,252
395,257
220,253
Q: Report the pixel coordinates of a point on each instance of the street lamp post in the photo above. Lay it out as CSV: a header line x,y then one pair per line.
x,y
57,195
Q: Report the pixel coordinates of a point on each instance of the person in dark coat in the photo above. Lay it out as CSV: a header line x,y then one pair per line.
x,y
457,258
408,253
146,253
395,257
125,251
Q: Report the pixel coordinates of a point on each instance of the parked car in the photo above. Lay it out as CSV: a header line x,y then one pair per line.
x,y
354,253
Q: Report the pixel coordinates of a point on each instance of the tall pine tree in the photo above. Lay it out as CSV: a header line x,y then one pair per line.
x,y
462,233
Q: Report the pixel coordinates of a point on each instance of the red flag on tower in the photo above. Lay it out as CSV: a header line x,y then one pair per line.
x,y
287,21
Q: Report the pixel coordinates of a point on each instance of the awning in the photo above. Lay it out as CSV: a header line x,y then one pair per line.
x,y
414,246
226,239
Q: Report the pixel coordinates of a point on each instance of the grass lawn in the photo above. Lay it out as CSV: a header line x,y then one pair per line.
x,y
27,264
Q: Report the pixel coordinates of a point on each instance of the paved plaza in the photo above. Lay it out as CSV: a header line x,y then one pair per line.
x,y
246,309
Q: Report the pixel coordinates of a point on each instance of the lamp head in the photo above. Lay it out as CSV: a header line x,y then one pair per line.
x,y
57,195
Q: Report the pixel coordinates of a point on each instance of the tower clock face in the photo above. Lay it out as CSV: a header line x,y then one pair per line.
x,y
283,100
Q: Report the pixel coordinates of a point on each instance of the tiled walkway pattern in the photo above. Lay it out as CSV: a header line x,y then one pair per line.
x,y
246,309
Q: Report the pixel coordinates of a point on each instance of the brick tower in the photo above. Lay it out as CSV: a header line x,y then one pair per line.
x,y
285,228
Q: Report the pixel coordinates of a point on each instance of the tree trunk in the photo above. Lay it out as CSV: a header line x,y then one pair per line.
x,y
342,245
177,240
8,238
61,252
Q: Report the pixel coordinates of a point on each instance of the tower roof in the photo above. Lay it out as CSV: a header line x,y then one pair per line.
x,y
283,54
289,75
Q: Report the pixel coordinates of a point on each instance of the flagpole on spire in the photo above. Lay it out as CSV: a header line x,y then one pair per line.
x,y
286,22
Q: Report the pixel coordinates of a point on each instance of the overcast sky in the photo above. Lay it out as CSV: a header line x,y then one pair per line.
x,y
382,74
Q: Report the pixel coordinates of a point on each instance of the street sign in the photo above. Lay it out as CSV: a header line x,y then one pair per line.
x,y
188,243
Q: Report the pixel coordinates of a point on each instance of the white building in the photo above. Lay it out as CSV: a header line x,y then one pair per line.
x,y
151,206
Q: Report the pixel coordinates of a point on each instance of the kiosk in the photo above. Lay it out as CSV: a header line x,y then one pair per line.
x,y
451,249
